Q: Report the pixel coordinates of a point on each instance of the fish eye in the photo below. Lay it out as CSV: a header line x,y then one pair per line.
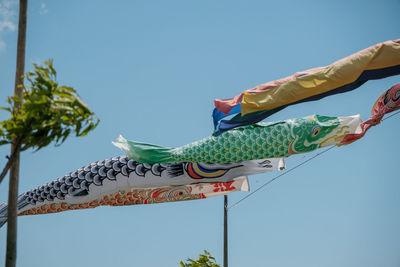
x,y
315,131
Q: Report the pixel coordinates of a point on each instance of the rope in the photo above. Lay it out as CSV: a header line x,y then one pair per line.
x,y
295,167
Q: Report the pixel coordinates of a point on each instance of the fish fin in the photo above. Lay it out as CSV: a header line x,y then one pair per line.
x,y
175,169
80,193
145,153
22,202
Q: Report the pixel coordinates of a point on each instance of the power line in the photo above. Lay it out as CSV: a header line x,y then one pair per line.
x,y
295,167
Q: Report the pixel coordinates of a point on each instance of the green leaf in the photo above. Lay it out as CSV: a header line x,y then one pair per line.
x,y
49,112
4,142
205,260
6,109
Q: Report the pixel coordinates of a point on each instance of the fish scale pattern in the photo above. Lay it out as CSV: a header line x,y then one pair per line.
x,y
258,141
241,144
77,182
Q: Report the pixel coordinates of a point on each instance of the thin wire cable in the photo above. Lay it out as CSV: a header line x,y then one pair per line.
x,y
295,167
280,175
391,115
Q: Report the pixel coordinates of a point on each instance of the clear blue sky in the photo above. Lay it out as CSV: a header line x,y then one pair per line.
x,y
150,70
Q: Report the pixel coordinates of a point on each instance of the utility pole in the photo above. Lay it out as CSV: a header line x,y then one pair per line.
x,y
11,254
225,231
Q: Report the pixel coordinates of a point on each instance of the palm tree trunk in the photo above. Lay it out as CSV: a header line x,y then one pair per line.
x,y
11,254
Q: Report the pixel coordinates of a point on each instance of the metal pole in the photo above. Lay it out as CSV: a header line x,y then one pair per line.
x,y
225,231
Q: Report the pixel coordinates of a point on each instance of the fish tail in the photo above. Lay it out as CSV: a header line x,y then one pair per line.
x,y
22,202
3,221
3,214
145,153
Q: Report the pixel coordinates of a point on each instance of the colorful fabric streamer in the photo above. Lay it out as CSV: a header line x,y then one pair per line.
x,y
257,141
388,102
376,62
121,181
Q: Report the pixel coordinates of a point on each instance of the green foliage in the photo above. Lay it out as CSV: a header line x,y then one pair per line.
x,y
205,260
48,112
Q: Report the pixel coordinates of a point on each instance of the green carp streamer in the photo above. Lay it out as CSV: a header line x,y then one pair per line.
x,y
257,141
